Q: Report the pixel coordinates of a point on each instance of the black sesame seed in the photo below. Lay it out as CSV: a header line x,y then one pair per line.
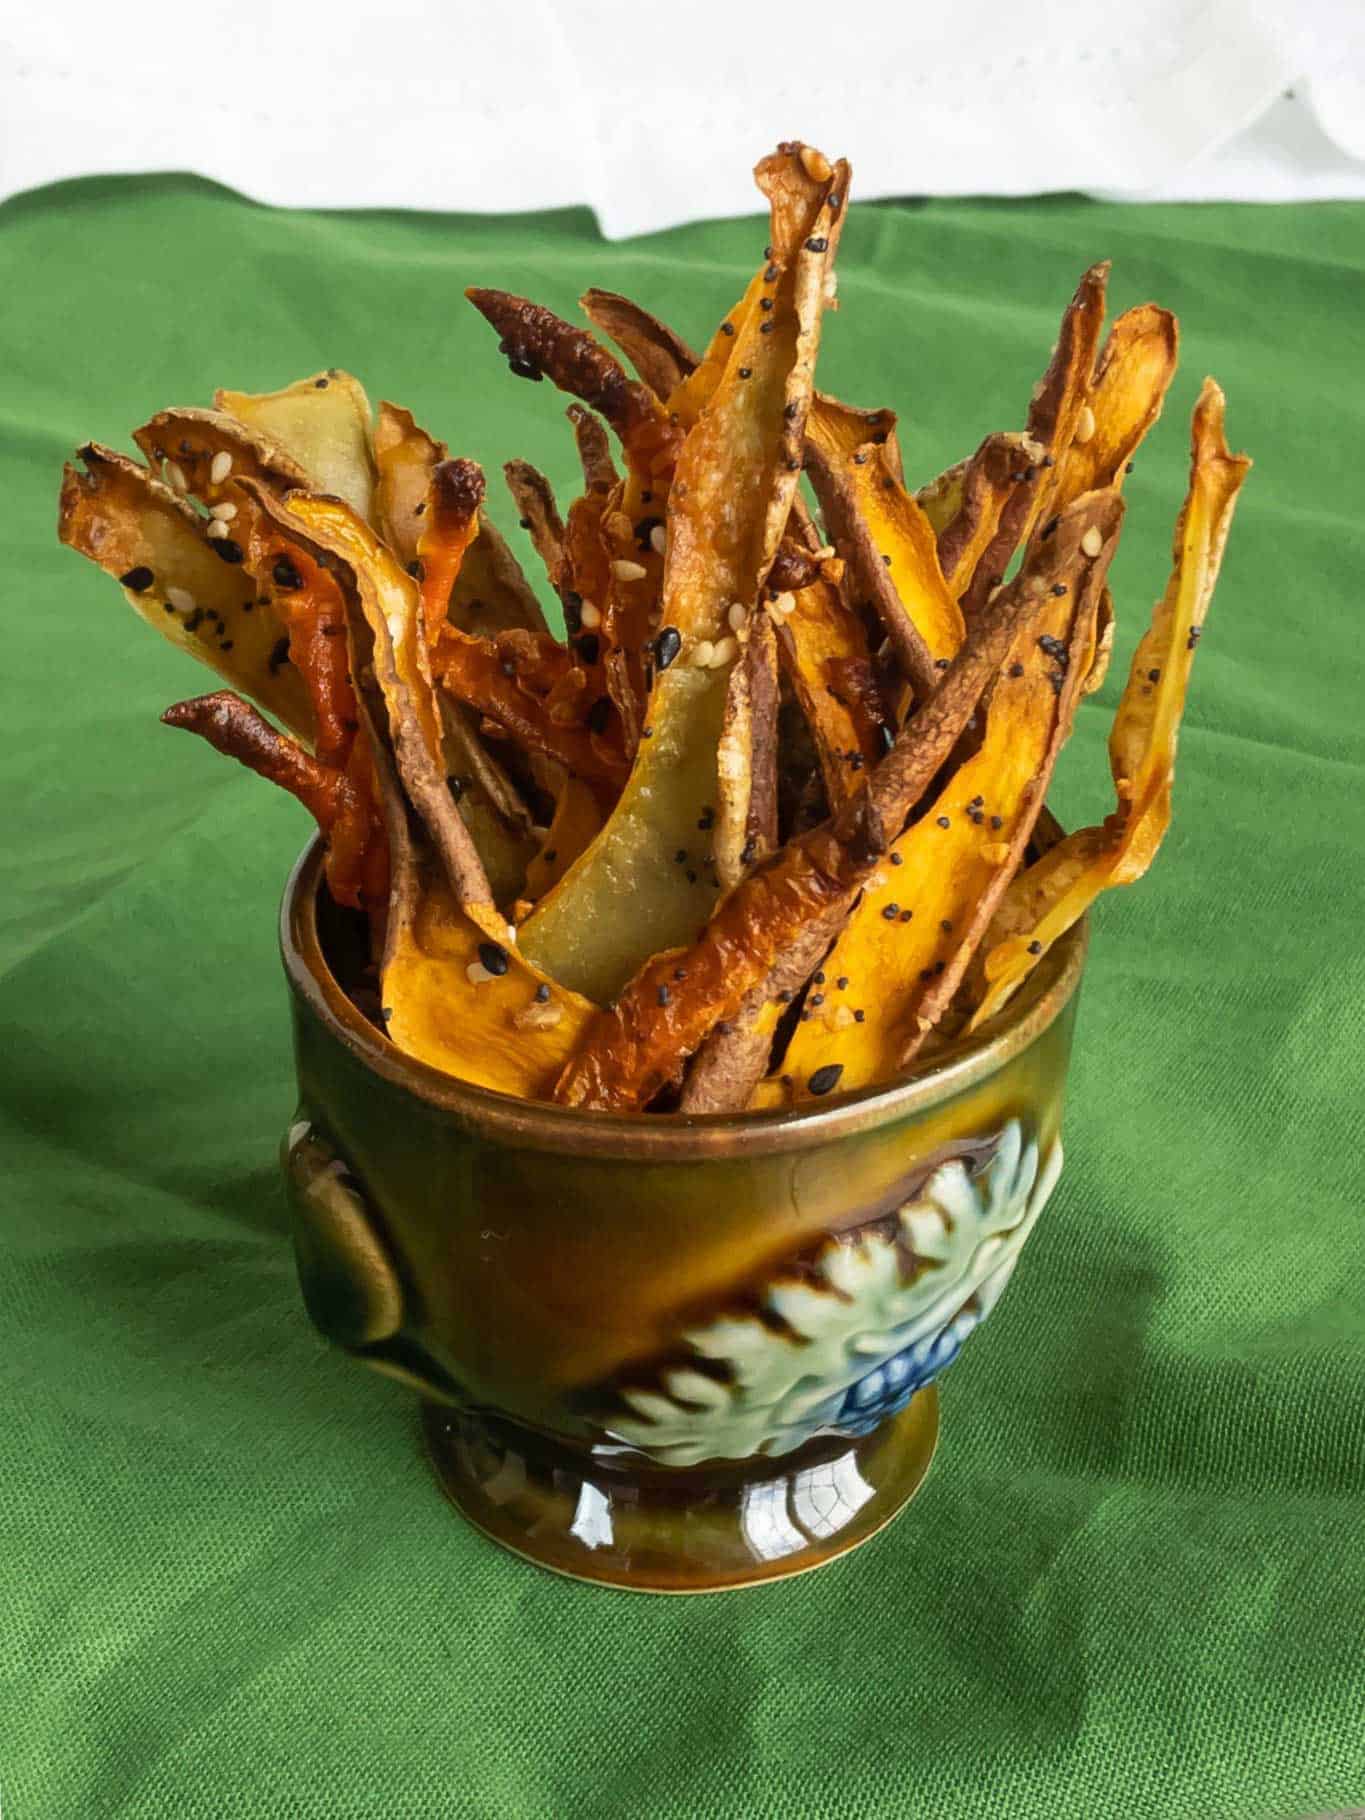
x,y
939,966
834,202
770,275
997,821
897,859
785,997
793,464
1128,466
419,508
765,303
886,559
1196,632
667,646
825,1078
226,549
598,714
906,915
1047,462
138,579
525,523
319,385
859,459
1154,676
891,912
493,957
946,926
746,372
680,973
646,733
926,974
724,1027
1058,589
817,998
943,822
285,575
942,663
727,328
457,786
542,994
748,851
1035,947
842,982
817,244
1016,670
1053,646
166,607
194,620
766,328
707,819
680,857
817,979
859,1016
664,995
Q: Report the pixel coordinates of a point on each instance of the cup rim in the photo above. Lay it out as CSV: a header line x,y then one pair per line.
x,y
540,1125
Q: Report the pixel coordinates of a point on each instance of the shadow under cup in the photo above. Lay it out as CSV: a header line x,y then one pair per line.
x,y
669,1354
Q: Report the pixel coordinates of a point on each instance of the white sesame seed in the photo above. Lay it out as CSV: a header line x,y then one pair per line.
x,y
737,617
215,528
220,467
180,600
1092,543
628,571
223,509
784,604
817,167
1085,424
702,654
589,616
658,540
512,933
825,551
538,1017
176,475
476,973
724,652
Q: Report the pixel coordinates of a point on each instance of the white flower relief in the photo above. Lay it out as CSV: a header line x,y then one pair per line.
x,y
867,1336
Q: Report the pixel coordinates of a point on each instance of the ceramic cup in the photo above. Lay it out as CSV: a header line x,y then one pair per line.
x,y
668,1354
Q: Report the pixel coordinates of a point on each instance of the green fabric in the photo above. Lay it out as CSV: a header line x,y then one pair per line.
x,y
1134,1584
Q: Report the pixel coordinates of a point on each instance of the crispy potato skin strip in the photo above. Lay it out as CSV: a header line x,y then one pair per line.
x,y
662,359
539,344
641,1043
405,458
1132,376
232,726
393,610
825,657
192,438
926,906
452,525
872,519
484,1027
972,499
322,424
629,895
147,536
1046,899
535,501
1054,413
594,451
746,769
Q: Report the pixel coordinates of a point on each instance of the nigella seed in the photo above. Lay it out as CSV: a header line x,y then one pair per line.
x,y
667,646
493,957
138,580
542,994
285,575
826,1078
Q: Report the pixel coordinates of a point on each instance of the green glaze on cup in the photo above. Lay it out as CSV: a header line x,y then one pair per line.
x,y
670,1354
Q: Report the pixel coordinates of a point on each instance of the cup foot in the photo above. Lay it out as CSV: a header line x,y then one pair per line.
x,y
623,1523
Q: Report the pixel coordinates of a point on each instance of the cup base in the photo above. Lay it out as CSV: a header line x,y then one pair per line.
x,y
618,1521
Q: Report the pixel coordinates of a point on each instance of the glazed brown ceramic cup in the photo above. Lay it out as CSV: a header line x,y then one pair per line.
x,y
671,1354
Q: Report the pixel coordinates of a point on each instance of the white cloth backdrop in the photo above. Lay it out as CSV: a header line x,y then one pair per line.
x,y
655,116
